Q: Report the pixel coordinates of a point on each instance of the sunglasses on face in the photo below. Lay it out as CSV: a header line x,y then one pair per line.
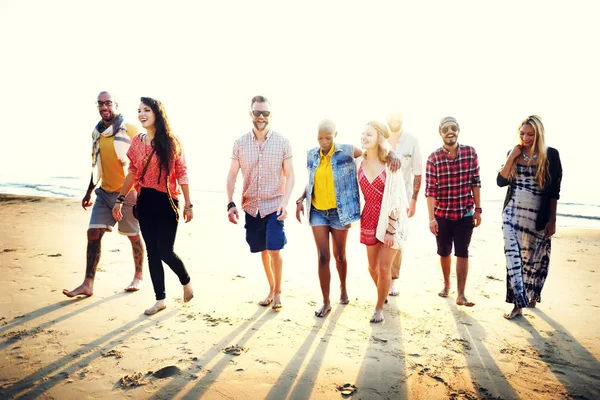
x,y
453,128
257,113
108,103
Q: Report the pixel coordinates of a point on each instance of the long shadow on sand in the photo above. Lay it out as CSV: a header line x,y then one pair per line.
x,y
570,362
177,384
373,380
44,379
488,380
46,310
305,383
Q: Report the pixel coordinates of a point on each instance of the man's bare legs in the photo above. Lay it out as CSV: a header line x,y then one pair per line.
x,y
380,261
446,263
267,265
277,268
94,236
396,263
462,270
137,248
339,238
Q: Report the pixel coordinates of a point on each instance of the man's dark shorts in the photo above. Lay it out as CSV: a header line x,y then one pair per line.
x,y
458,232
264,233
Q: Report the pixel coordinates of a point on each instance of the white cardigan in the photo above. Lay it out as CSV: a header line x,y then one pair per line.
x,y
394,198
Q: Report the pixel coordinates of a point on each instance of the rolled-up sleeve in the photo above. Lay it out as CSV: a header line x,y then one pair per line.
x,y
476,180
430,178
181,169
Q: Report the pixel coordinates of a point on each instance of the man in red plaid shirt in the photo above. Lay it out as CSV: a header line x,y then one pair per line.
x,y
452,189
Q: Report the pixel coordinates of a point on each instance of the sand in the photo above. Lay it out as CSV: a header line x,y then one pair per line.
x,y
222,345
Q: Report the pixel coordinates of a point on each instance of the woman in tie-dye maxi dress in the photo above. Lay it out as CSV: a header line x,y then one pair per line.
x,y
533,174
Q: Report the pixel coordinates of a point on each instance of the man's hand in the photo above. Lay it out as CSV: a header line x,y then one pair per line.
x,y
550,229
476,219
412,207
233,216
299,210
87,202
393,163
281,212
433,227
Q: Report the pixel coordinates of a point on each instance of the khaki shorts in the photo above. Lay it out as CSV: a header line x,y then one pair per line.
x,y
102,213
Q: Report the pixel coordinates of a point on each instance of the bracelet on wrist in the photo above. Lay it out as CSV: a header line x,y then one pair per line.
x,y
433,220
390,233
188,207
299,201
230,205
478,209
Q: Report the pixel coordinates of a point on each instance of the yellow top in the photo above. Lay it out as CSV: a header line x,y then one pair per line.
x,y
113,175
324,193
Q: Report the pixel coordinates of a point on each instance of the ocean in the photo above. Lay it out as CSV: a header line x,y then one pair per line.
x,y
570,213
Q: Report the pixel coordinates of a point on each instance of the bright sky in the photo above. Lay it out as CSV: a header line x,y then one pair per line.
x,y
488,64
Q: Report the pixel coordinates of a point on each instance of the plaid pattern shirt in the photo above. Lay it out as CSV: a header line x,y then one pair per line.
x,y
262,169
450,181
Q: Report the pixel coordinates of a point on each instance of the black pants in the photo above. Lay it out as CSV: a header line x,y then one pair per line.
x,y
159,227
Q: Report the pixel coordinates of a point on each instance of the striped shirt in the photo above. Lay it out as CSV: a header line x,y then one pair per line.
x,y
262,170
450,181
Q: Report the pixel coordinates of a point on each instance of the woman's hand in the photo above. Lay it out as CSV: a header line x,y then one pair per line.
x,y
515,153
299,210
550,229
116,212
188,214
388,240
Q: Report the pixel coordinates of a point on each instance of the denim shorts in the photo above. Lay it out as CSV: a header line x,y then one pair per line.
x,y
326,218
102,213
266,233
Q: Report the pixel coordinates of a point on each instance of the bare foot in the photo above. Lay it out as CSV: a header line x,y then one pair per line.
x,y
266,301
462,301
514,313
444,292
135,285
188,292
393,291
276,303
159,306
377,317
324,310
344,297
532,304
82,290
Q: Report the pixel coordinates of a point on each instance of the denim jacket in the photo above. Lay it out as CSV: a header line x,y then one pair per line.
x,y
344,181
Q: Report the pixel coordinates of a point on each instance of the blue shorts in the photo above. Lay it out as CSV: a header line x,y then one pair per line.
x,y
102,213
326,218
265,233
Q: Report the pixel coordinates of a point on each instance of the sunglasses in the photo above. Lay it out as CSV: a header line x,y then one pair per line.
x,y
453,128
257,113
108,103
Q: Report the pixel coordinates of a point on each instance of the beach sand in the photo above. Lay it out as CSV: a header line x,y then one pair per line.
x,y
222,345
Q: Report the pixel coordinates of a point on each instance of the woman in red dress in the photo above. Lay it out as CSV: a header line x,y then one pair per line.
x,y
384,214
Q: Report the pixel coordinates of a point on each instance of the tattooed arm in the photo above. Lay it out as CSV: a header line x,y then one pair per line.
x,y
412,207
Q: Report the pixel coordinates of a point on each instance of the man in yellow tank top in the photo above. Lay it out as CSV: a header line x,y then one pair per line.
x,y
111,140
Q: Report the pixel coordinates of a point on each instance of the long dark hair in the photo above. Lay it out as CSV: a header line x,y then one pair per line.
x,y
165,142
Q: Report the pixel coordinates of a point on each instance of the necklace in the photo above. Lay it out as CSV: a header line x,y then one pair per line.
x,y
527,158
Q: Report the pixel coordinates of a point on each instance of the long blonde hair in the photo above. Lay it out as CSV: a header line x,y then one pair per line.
x,y
542,175
383,146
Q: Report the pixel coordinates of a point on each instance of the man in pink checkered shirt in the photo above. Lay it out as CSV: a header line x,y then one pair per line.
x,y
453,185
265,158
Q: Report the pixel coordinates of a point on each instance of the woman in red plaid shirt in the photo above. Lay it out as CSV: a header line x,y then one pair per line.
x,y
453,199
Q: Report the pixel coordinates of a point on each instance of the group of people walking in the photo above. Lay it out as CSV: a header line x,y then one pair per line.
x,y
144,175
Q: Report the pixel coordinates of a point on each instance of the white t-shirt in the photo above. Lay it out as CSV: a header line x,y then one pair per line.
x,y
409,152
